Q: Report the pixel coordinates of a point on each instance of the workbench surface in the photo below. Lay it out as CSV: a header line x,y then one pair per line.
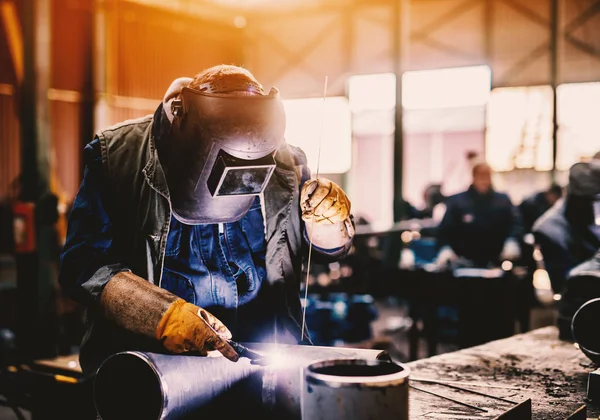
x,y
550,372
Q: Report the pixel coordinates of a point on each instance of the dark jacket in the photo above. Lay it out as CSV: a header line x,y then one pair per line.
x,y
136,199
532,208
566,238
583,284
476,225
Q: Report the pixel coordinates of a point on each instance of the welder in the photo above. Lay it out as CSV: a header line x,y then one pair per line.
x,y
191,224
480,225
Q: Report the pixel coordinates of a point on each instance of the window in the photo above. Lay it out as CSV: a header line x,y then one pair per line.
x,y
446,88
519,128
443,121
579,122
313,123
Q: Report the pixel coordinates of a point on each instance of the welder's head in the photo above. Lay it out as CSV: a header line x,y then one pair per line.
x,y
482,177
227,79
584,179
224,133
583,194
554,193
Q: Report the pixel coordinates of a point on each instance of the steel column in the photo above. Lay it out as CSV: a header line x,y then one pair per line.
x,y
554,5
36,331
398,54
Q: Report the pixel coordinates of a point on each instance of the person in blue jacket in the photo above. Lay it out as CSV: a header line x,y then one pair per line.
x,y
191,225
480,225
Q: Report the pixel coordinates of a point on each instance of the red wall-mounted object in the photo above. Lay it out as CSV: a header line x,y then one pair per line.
x,y
24,227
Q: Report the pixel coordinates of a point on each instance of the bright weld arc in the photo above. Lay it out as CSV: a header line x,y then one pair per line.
x,y
312,224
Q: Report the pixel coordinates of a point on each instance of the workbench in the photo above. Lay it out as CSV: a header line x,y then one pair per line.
x,y
550,372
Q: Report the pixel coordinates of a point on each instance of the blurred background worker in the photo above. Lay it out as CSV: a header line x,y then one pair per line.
x,y
534,206
480,224
568,234
434,202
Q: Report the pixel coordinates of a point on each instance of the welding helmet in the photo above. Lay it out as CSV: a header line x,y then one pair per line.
x,y
584,193
221,151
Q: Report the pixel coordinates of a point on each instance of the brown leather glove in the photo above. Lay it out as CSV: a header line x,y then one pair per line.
x,y
325,200
143,308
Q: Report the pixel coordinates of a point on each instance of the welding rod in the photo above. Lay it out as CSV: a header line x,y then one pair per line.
x,y
441,382
449,399
472,391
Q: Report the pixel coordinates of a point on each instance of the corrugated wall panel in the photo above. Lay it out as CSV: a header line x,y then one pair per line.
x,y
119,114
66,147
151,48
7,73
10,144
71,39
72,23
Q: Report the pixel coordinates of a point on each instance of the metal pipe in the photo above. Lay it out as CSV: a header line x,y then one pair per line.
x,y
355,389
584,328
160,386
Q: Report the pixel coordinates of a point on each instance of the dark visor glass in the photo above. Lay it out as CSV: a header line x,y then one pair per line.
x,y
234,176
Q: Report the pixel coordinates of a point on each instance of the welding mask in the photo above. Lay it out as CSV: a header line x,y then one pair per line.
x,y
583,205
221,153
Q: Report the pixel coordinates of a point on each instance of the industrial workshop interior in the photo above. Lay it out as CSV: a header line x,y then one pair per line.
x,y
299,209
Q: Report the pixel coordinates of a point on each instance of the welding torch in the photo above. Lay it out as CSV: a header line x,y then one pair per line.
x,y
241,350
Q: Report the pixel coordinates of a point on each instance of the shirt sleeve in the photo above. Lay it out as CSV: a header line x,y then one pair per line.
x,y
85,263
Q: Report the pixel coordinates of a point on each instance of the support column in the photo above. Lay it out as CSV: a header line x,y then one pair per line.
x,y
400,35
554,30
36,269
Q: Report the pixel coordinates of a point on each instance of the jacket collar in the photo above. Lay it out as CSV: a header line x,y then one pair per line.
x,y
153,171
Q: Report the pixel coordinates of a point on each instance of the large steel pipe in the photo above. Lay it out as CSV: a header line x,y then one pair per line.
x,y
584,327
355,390
150,386
154,386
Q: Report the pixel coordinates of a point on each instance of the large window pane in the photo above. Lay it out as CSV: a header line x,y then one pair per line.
x,y
444,121
313,123
443,88
519,128
579,122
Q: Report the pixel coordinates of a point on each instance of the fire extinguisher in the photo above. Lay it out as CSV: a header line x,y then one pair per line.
x,y
24,227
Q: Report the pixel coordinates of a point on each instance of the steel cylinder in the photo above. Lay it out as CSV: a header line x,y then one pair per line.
x,y
585,330
355,389
151,386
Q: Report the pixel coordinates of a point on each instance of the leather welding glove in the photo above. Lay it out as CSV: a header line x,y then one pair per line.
x,y
325,200
446,256
511,250
143,308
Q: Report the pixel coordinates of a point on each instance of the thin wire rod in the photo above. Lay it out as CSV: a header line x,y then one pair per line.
x,y
312,223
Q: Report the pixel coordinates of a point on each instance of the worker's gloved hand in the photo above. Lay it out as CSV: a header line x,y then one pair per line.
x,y
511,250
446,256
188,328
325,200
140,307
